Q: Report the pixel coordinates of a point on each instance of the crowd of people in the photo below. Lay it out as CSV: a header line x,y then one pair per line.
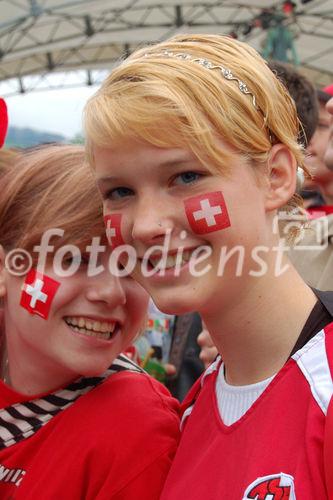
x,y
189,193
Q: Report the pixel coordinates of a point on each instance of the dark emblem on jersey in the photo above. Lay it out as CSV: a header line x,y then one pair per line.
x,y
273,487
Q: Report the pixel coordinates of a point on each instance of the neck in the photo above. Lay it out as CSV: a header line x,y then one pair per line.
x,y
32,378
3,360
256,333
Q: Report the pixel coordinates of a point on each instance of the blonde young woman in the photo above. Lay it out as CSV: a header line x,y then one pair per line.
x,y
194,143
75,415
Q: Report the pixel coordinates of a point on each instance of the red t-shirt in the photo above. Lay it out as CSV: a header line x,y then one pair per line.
x,y
320,211
274,451
115,442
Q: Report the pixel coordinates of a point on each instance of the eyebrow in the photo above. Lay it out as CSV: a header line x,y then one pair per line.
x,y
105,179
178,161
181,161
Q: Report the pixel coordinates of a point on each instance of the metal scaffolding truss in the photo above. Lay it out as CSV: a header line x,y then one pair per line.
x,y
80,40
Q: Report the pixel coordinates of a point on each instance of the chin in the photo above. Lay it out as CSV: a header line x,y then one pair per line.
x,y
176,305
96,370
176,310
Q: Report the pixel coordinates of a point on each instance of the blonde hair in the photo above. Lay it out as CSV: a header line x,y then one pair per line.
x,y
172,102
48,187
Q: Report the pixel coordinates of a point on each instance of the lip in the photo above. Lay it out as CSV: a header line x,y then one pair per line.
x,y
171,252
169,274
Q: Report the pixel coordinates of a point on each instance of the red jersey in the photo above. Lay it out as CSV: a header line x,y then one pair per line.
x,y
274,451
116,441
320,211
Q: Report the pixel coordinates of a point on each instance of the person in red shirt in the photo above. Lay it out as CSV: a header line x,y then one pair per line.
x,y
194,145
78,419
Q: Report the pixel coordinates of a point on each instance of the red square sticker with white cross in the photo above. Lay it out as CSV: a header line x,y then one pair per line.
x,y
38,292
113,230
207,212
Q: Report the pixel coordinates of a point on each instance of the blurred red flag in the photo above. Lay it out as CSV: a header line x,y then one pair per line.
x,y
329,89
3,121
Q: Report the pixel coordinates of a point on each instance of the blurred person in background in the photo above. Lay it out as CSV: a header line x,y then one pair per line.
x,y
318,191
304,95
313,254
329,151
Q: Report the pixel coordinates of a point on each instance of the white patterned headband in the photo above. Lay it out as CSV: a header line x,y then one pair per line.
x,y
225,72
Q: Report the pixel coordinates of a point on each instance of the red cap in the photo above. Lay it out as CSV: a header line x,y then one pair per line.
x,y
3,121
329,89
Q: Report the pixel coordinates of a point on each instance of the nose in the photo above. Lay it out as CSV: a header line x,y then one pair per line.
x,y
153,220
106,289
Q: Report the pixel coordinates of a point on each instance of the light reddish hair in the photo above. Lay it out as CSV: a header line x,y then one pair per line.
x,y
48,187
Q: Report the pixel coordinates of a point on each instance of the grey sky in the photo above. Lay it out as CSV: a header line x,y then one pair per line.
x,y
50,111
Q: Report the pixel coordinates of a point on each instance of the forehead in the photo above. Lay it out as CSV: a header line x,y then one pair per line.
x,y
131,153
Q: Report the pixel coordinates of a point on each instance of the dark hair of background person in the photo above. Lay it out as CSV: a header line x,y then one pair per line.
x,y
304,94
323,96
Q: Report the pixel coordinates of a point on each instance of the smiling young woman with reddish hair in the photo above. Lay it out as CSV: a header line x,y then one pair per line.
x,y
75,414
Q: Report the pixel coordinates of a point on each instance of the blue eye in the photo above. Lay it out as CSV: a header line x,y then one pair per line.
x,y
187,177
119,192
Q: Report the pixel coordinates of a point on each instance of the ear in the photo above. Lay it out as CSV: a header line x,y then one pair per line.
x,y
281,185
2,272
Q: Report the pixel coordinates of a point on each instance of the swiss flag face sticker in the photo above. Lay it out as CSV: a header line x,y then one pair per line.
x,y
38,292
207,212
113,230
